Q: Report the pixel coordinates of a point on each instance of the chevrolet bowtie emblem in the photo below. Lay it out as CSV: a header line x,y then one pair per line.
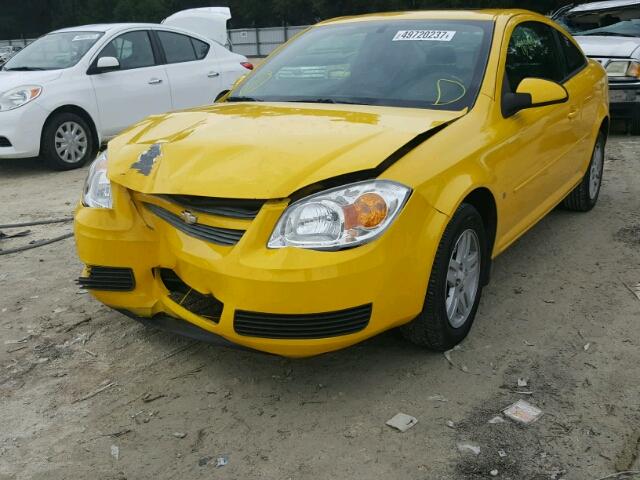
x,y
188,217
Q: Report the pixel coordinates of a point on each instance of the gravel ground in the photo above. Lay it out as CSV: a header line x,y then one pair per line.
x,y
87,393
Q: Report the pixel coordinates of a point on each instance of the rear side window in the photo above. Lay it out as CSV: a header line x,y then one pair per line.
x,y
201,48
132,49
181,48
575,59
533,52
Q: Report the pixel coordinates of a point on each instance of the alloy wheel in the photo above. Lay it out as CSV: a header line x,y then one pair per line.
x,y
71,142
463,278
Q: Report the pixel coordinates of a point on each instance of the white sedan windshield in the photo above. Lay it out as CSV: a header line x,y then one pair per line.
x,y
54,51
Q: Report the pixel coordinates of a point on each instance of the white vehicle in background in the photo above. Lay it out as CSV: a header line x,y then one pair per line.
x,y
7,52
73,89
609,32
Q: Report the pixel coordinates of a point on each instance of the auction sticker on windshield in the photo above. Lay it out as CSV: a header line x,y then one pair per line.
x,y
424,35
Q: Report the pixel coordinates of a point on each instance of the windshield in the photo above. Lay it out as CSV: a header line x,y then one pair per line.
x,y
612,23
426,64
54,51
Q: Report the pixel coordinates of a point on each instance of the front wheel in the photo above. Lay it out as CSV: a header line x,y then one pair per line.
x,y
455,285
67,142
585,196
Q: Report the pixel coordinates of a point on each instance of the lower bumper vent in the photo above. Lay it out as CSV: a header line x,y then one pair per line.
x,y
109,279
206,306
302,327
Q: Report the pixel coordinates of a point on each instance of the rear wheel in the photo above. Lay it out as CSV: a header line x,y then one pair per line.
x,y
585,196
635,122
455,285
67,142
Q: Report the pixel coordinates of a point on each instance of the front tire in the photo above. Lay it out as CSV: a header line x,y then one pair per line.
x,y
67,142
455,285
585,196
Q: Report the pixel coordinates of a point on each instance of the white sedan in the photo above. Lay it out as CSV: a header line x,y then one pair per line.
x,y
73,89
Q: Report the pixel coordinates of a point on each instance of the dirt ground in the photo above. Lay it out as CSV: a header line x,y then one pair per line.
x,y
88,393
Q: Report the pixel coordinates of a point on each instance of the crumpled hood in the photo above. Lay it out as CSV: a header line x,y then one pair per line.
x,y
596,46
10,80
261,150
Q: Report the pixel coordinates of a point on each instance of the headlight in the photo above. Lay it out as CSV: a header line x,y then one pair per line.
x,y
97,187
623,69
341,217
18,97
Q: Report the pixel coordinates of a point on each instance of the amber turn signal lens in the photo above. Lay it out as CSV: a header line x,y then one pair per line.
x,y
368,211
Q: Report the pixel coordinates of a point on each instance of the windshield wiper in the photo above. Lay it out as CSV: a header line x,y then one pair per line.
x,y
243,99
23,69
332,101
606,34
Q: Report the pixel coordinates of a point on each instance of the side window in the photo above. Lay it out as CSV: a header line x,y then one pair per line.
x,y
201,48
575,59
177,48
132,49
533,52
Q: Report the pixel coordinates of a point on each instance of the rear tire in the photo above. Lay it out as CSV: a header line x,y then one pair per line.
x,y
635,122
67,142
585,196
444,321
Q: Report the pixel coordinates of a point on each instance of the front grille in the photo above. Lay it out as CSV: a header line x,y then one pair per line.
x,y
224,207
220,236
4,142
206,306
109,279
307,326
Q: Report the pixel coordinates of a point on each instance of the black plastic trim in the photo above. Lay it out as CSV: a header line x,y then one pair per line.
x,y
108,279
221,236
302,326
223,207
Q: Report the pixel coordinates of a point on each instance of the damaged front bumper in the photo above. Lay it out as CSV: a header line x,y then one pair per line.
x,y
291,302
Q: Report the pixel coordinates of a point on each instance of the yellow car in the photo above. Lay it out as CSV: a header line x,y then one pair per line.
x,y
362,179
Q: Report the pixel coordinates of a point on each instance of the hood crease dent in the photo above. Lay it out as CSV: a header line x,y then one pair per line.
x,y
270,150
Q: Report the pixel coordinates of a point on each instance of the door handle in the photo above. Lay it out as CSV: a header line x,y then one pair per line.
x,y
155,81
213,74
573,113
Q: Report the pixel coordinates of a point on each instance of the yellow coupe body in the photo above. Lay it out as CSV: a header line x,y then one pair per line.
x,y
187,235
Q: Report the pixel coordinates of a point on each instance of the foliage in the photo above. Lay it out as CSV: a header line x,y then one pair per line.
x,y
30,18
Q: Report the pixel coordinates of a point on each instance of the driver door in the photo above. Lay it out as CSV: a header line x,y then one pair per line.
x,y
138,89
531,160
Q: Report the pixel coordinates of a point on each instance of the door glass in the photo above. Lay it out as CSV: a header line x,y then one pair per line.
x,y
201,48
133,50
533,52
575,59
177,48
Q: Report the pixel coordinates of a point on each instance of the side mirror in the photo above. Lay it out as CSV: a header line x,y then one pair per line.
x,y
107,64
533,93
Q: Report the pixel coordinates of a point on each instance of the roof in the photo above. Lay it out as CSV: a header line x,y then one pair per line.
x,y
489,14
105,27
609,4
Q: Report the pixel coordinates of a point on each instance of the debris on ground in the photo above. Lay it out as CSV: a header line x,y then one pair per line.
x,y
222,461
148,397
523,412
502,453
450,424
468,448
587,346
633,289
522,382
494,473
402,422
497,419
115,452
179,434
96,392
437,398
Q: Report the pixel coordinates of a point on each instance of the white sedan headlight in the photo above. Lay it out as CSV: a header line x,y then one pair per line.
x,y
18,97
97,187
342,217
